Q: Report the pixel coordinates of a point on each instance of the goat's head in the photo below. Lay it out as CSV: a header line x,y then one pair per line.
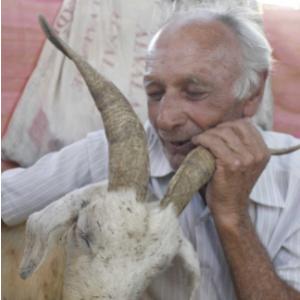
x,y
115,240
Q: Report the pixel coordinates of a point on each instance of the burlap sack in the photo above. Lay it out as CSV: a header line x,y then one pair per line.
x,y
56,108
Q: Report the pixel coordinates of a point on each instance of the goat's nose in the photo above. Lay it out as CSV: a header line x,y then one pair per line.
x,y
170,115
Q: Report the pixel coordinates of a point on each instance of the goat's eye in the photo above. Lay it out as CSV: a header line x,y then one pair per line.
x,y
84,230
84,236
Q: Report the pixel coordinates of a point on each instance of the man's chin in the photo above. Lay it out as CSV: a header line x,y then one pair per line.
x,y
176,160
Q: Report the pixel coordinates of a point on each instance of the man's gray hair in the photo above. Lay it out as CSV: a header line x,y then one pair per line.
x,y
256,50
246,24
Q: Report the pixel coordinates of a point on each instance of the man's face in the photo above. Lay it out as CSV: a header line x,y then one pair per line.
x,y
189,80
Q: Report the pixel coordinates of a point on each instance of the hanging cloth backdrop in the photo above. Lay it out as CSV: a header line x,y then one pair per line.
x,y
56,108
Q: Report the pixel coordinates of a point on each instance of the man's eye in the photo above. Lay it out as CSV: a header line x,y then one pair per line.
x,y
196,95
155,96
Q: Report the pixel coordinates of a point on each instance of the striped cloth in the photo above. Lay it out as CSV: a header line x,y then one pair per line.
x,y
274,208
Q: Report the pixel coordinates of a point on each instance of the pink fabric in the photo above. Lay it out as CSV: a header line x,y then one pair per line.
x,y
22,40
282,29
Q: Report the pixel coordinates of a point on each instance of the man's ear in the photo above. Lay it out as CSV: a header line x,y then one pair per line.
x,y
251,104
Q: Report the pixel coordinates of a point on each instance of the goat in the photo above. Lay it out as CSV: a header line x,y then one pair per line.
x,y
109,229
116,237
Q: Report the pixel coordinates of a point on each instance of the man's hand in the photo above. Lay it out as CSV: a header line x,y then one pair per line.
x,y
241,155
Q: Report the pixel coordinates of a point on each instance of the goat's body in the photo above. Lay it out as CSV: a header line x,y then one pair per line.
x,y
115,248
45,284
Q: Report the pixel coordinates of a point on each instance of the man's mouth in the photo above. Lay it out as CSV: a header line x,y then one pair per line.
x,y
179,143
182,146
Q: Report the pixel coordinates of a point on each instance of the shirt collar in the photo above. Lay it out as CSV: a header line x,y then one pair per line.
x,y
265,192
159,164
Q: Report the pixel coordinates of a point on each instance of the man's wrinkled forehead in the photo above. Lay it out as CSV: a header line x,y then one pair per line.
x,y
191,31
177,23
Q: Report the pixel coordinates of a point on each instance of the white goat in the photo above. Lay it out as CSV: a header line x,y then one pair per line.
x,y
115,240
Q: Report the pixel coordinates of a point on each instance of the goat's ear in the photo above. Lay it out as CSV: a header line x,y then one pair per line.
x,y
47,227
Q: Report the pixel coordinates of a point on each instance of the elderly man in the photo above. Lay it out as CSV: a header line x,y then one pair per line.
x,y
204,80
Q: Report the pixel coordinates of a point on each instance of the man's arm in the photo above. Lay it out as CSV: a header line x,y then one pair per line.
x,y
25,191
241,155
253,274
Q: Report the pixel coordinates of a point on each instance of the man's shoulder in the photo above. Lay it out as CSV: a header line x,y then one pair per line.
x,y
279,184
279,139
288,163
276,194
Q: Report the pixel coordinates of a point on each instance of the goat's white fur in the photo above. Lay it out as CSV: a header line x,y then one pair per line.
x,y
115,245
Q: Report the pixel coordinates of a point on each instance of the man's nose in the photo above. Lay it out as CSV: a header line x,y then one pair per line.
x,y
170,115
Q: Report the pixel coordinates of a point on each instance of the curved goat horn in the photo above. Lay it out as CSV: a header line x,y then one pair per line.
x,y
128,155
194,172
